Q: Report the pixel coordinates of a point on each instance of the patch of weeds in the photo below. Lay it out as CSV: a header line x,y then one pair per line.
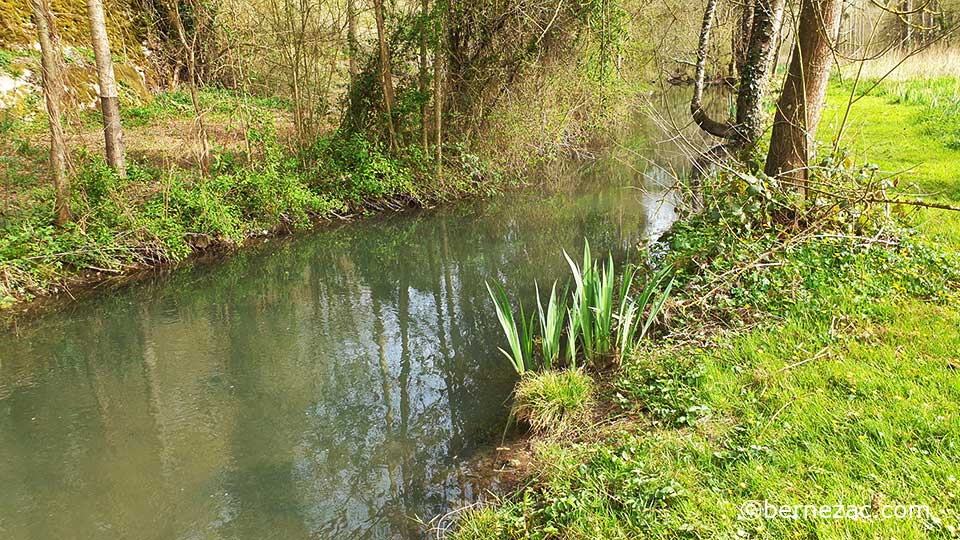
x,y
359,170
604,489
667,386
740,253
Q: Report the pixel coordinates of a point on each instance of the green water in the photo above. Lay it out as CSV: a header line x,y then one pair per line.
x,y
329,386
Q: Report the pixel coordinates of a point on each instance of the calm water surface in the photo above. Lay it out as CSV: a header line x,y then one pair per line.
x,y
330,386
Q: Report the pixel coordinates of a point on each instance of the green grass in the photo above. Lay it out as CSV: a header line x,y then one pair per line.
x,y
848,392
893,127
553,400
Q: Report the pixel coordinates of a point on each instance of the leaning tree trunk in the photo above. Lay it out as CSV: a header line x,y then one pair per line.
x,y
386,76
718,129
109,99
801,102
52,90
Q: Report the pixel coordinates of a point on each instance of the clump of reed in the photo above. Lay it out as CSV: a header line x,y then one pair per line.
x,y
595,320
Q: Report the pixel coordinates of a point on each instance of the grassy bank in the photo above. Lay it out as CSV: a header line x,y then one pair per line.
x,y
827,373
165,210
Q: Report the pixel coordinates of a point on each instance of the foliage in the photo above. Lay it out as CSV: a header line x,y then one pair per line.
x,y
551,326
520,339
359,169
668,387
553,400
592,303
754,246
592,326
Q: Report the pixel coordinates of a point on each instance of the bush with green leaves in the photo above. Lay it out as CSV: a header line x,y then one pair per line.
x,y
358,170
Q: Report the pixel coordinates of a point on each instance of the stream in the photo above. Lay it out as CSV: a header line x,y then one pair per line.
x,y
330,385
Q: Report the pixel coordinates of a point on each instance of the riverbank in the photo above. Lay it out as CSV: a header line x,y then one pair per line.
x,y
827,374
166,211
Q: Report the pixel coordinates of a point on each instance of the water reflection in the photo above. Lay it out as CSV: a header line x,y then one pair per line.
x,y
325,387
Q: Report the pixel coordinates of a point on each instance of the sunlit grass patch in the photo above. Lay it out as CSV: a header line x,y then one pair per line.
x,y
903,126
553,400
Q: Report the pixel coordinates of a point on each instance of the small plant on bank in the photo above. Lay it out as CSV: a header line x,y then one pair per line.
x,y
519,339
553,400
551,326
593,325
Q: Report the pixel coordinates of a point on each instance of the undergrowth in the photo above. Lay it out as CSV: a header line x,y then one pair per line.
x,y
156,216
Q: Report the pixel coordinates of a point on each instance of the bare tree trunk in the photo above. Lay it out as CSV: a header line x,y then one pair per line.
x,y
424,78
756,68
386,75
52,90
438,56
109,99
801,102
352,38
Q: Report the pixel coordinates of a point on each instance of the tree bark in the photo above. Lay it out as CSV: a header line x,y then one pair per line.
x,y
386,75
438,56
700,116
109,99
352,38
52,90
424,77
759,28
801,102
756,68
741,37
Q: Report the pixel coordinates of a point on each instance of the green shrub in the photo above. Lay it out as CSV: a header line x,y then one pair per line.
x,y
358,170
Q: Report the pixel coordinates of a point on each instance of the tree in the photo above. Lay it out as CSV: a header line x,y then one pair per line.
x,y
188,48
352,48
386,75
52,89
109,99
424,79
801,101
754,70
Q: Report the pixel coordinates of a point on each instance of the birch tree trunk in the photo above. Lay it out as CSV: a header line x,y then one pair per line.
x,y
52,90
801,102
109,100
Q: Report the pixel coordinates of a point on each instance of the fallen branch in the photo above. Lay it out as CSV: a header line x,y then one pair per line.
x,y
924,204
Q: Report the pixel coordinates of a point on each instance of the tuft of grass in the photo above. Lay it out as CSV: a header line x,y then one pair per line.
x,y
553,400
